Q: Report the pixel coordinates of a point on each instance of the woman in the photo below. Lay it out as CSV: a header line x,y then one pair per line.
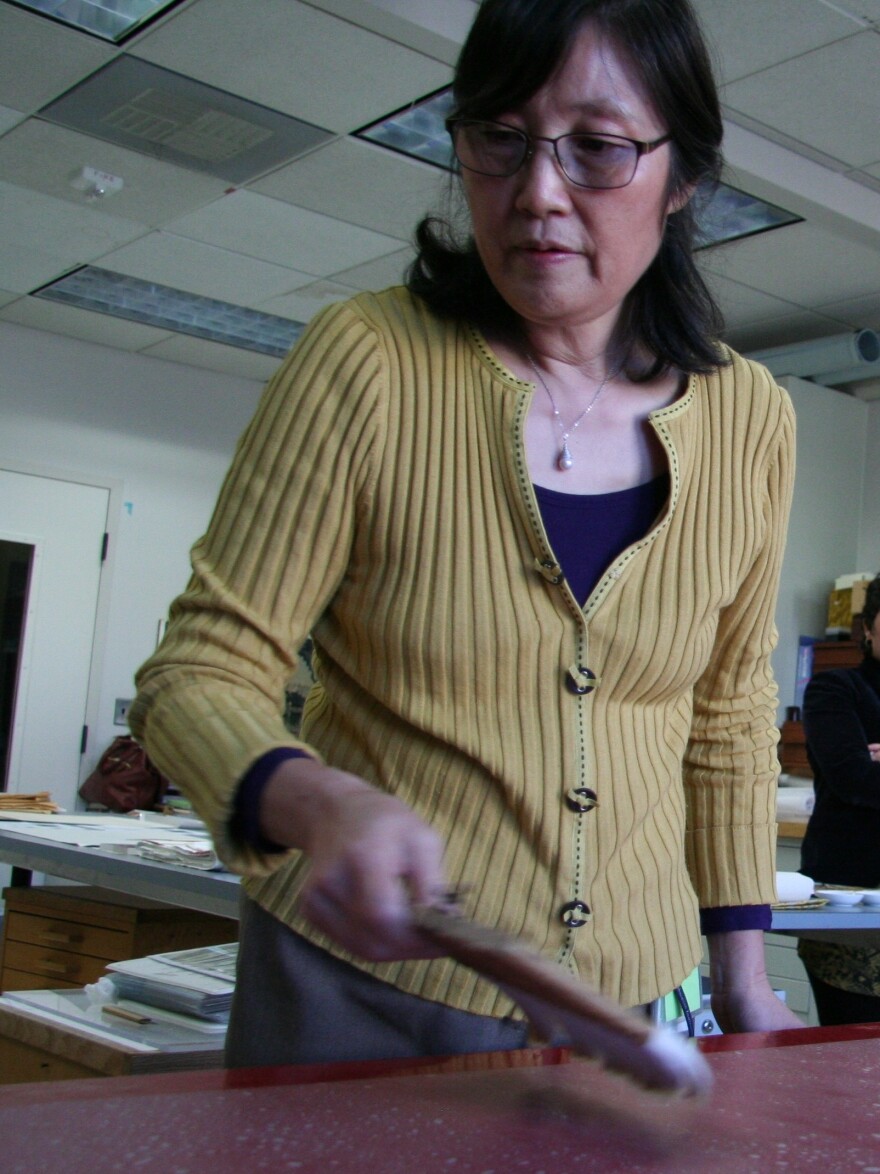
x,y
532,514
842,727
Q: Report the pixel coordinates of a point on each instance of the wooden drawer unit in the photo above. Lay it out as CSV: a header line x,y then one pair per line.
x,y
60,936
836,654
793,750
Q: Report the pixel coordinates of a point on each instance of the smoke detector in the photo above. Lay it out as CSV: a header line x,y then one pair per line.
x,y
97,185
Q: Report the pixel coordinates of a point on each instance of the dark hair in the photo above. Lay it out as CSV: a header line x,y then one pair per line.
x,y
513,47
871,609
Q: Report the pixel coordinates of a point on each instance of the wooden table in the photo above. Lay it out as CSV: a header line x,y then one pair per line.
x,y
783,1103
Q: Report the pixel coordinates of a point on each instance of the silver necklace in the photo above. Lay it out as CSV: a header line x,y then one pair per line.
x,y
564,459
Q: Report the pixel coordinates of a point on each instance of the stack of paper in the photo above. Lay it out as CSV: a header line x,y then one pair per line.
x,y
794,802
196,982
163,1032
39,801
190,853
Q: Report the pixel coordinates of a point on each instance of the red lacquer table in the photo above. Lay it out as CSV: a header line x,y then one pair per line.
x,y
783,1103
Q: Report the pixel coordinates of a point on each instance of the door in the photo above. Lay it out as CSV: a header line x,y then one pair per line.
x,y
57,527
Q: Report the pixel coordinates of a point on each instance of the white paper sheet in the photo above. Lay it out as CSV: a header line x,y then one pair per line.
x,y
90,831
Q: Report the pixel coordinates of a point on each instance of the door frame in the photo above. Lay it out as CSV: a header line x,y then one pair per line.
x,y
115,488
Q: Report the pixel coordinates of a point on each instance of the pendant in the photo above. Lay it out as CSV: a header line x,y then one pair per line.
x,y
564,460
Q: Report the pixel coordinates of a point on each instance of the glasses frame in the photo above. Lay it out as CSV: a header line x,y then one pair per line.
x,y
642,146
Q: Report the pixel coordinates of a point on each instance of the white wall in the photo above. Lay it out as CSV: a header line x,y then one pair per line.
x,y
869,531
164,430
829,514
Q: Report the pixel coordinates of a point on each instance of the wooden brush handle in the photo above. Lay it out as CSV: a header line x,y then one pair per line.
x,y
507,962
555,1001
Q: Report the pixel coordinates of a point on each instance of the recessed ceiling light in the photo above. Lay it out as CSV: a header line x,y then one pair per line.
x,y
105,292
419,130
112,20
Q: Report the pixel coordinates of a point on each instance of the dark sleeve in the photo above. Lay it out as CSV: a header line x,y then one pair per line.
x,y
246,810
841,716
727,918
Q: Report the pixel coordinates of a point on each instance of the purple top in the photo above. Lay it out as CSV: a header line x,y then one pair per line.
x,y
587,531
613,521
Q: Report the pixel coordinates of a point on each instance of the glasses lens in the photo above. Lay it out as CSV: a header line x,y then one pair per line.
x,y
489,147
598,161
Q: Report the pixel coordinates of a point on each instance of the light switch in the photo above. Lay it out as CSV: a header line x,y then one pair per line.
x,y
120,711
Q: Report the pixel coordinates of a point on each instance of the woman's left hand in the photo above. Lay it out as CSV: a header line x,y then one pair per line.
x,y
756,1009
742,999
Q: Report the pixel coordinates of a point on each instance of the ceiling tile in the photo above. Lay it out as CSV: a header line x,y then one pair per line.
x,y
292,57
42,237
361,183
213,356
40,59
199,268
742,304
870,9
827,98
800,327
303,304
437,29
45,157
859,313
296,237
378,274
9,119
799,263
6,296
76,323
749,35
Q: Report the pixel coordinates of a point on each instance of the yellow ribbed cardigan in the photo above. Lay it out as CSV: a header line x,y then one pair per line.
x,y
380,500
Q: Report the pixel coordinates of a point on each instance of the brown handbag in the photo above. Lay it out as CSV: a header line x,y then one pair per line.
x,y
124,779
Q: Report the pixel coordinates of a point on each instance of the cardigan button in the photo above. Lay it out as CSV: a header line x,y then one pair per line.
x,y
574,914
581,680
550,570
581,799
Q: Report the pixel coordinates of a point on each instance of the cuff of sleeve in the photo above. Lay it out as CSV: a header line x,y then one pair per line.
x,y
727,918
245,822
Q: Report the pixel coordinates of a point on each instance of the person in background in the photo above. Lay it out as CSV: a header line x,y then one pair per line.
x,y
532,513
842,842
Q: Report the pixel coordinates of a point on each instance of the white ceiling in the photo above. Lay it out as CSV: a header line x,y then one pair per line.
x,y
801,92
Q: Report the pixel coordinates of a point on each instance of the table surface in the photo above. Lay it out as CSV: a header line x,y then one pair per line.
x,y
783,1103
209,892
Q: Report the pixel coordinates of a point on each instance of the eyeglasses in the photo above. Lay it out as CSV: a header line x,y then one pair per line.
x,y
588,160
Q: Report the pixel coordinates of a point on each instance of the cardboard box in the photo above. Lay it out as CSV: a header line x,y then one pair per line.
x,y
844,603
859,590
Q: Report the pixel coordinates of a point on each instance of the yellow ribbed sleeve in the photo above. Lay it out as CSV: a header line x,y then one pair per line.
x,y
380,500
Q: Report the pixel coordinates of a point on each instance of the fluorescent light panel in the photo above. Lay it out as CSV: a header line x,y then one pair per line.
x,y
419,131
105,292
730,214
163,114
112,20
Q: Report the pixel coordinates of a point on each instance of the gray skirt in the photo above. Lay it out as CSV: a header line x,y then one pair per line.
x,y
296,1004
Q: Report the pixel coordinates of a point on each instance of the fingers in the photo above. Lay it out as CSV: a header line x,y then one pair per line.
x,y
367,873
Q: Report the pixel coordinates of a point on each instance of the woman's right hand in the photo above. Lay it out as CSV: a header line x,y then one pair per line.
x,y
371,857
